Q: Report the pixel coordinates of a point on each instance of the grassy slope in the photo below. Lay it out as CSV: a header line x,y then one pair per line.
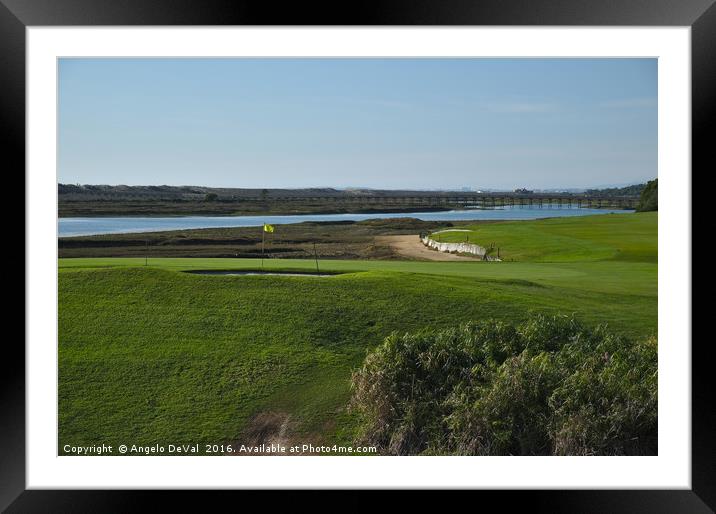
x,y
155,355
610,277
622,237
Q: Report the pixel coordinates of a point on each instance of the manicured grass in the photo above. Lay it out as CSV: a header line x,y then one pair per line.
x,y
631,278
621,237
149,354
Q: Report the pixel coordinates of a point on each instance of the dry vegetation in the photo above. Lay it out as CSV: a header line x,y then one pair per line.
x,y
334,240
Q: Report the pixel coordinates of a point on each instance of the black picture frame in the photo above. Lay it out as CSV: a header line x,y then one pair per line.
x,y
16,15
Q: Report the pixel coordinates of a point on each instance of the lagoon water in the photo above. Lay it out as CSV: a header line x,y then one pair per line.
x,y
129,224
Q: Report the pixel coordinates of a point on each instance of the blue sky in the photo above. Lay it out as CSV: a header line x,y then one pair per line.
x,y
381,123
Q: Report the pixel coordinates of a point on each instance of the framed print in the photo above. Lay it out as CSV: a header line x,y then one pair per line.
x,y
417,247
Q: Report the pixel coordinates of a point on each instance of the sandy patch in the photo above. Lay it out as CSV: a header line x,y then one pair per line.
x,y
413,248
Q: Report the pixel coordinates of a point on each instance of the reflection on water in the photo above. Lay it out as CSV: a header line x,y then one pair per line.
x,y
92,226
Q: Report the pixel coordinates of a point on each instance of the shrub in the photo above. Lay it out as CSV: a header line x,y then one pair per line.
x,y
649,199
546,387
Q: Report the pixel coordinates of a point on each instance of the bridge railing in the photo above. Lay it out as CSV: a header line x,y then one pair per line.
x,y
482,200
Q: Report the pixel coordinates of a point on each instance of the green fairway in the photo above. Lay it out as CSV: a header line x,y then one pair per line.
x,y
149,354
612,277
621,237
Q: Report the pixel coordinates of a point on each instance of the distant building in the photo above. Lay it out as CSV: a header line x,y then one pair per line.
x,y
524,191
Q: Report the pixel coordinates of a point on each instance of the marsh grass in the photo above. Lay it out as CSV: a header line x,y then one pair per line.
x,y
548,386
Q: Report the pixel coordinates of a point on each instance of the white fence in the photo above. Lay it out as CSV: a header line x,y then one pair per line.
x,y
458,248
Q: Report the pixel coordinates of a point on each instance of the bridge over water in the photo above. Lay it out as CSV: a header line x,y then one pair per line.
x,y
466,200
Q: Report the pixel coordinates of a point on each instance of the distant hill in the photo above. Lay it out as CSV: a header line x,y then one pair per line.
x,y
88,192
92,193
633,190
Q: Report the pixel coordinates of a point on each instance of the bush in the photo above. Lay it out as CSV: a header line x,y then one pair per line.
x,y
547,387
649,199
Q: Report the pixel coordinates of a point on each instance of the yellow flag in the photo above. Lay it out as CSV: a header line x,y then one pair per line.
x,y
268,228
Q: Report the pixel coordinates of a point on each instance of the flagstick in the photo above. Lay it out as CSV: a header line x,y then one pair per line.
x,y
315,253
263,238
268,254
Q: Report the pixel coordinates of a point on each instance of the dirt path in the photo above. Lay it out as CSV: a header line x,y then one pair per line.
x,y
277,429
267,428
413,248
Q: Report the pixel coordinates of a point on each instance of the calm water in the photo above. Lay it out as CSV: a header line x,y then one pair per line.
x,y
93,226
